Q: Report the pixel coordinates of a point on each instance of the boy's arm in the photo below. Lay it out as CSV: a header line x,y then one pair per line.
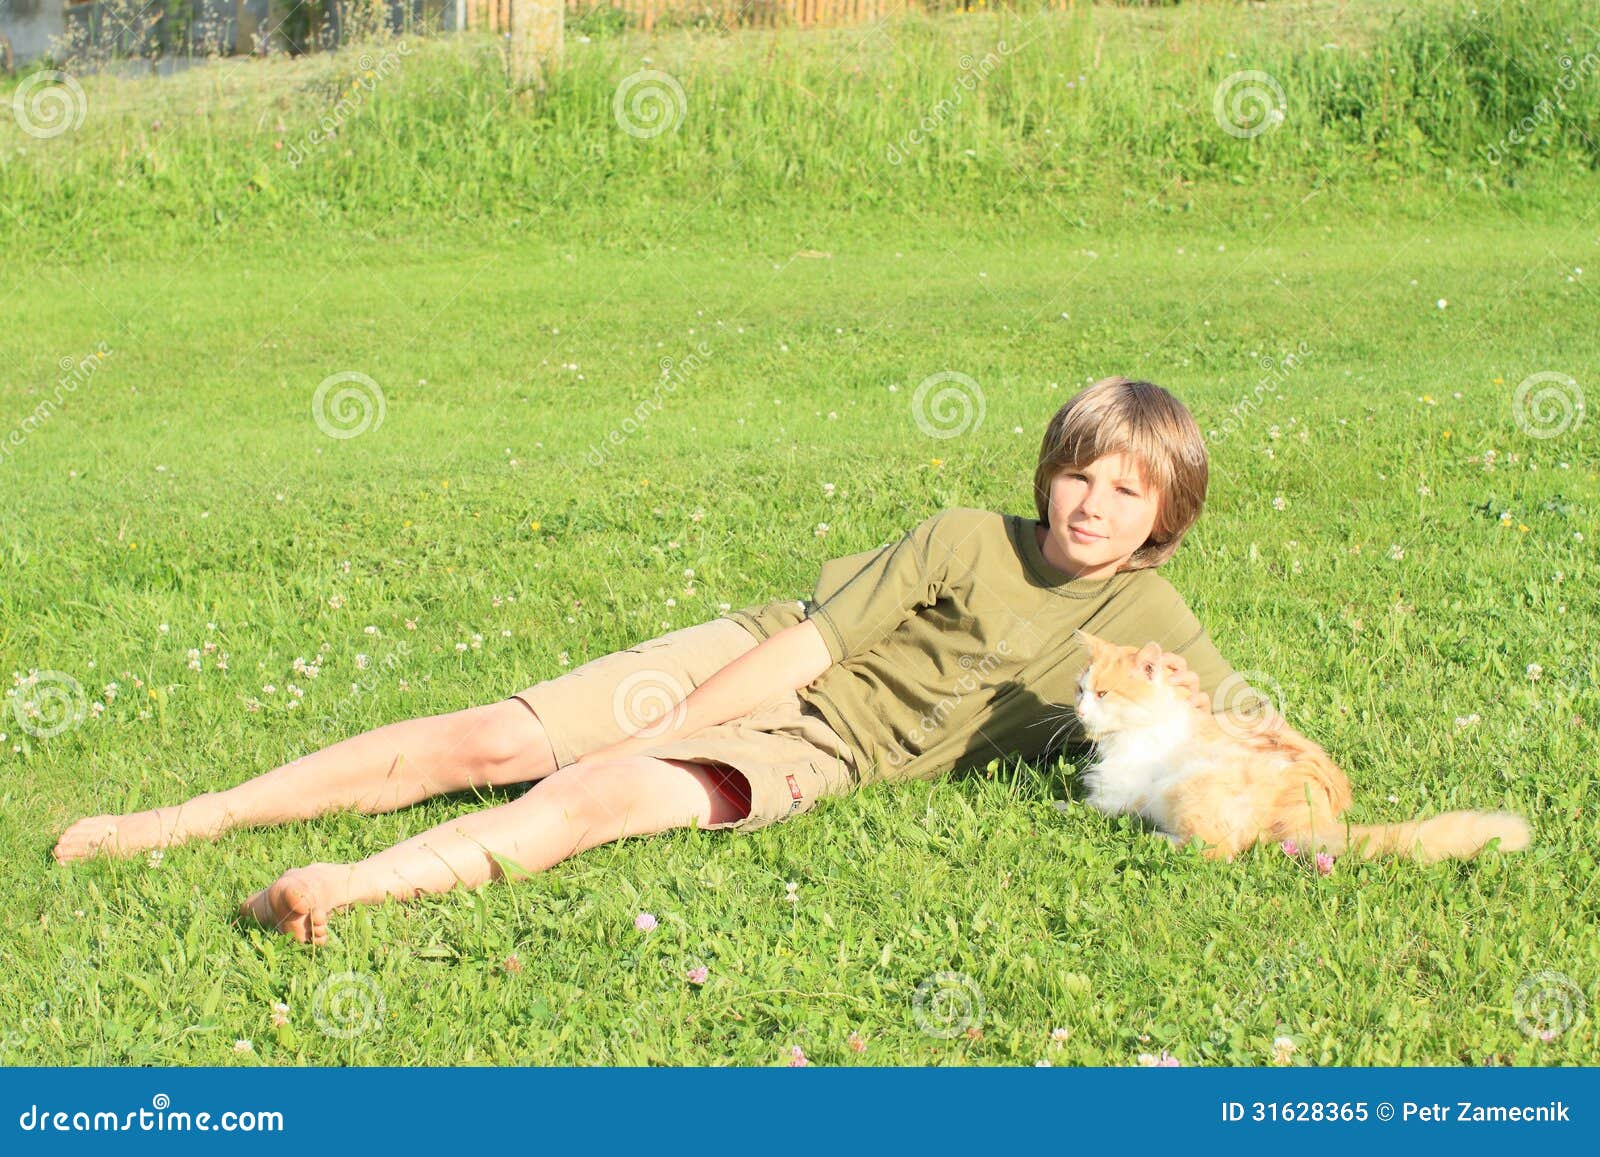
x,y
786,661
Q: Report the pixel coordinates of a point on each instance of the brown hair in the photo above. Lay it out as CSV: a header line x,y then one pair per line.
x,y
1122,416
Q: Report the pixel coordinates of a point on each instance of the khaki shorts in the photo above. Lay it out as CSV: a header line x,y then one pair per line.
x,y
787,753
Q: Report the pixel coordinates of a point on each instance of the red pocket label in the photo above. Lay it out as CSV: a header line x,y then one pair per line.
x,y
794,792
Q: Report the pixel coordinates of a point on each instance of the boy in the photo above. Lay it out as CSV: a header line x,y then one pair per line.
x,y
937,652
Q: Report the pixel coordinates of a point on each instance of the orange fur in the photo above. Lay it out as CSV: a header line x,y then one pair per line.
x,y
1233,783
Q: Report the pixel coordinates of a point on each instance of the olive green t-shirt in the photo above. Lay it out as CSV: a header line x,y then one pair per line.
x,y
954,645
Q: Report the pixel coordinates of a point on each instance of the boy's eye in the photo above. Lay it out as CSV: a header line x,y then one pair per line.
x,y
1079,477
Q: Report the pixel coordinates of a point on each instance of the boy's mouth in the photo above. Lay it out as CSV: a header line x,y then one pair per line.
x,y
1082,535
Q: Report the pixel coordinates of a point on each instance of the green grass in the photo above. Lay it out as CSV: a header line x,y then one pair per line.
x,y
186,483
1004,115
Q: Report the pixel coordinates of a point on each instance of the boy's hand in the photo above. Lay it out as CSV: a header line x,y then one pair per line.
x,y
1178,673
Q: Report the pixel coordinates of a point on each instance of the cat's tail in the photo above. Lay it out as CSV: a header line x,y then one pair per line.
x,y
1451,836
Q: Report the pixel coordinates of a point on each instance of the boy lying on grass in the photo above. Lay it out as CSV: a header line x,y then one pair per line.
x,y
938,652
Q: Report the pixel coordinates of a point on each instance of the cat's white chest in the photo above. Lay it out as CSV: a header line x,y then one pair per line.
x,y
1133,771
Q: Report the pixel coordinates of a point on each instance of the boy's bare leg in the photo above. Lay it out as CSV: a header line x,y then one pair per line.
x,y
574,809
381,770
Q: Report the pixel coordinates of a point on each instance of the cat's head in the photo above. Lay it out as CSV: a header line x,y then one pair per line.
x,y
1122,688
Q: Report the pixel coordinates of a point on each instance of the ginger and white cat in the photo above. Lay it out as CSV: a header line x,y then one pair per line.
x,y
1175,765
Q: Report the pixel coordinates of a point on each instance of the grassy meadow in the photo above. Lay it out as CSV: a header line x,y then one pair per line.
x,y
1386,329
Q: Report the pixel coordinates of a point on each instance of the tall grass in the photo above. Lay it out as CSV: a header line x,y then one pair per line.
x,y
1000,113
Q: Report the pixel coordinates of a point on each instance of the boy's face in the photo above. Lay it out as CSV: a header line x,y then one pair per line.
x,y
1099,515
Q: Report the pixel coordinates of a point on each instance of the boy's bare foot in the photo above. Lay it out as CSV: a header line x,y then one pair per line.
x,y
298,902
128,835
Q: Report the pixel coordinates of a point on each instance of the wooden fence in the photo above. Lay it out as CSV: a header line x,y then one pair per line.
x,y
495,15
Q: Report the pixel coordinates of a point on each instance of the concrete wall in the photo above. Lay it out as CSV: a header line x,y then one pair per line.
x,y
30,25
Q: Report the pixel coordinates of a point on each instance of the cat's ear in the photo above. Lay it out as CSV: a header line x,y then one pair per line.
x,y
1092,642
1148,661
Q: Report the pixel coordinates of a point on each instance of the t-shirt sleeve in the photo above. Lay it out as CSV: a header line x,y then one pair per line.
x,y
1177,630
861,598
